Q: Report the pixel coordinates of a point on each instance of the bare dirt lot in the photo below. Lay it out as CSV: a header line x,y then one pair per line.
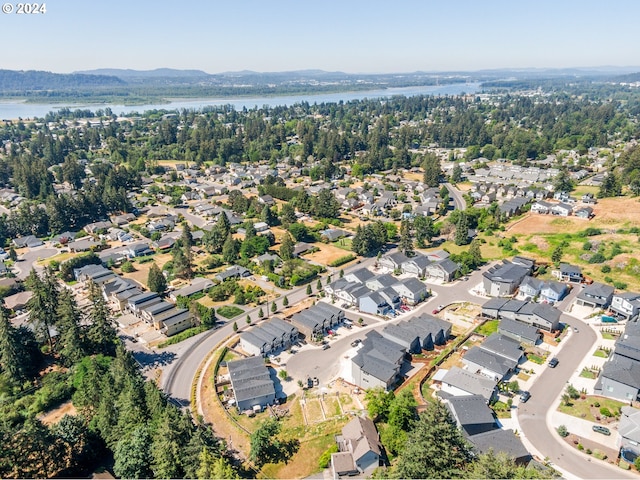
x,y
326,254
609,213
54,416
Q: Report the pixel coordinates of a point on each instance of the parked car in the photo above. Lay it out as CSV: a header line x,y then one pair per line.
x,y
553,363
524,396
326,346
601,429
435,311
575,329
355,343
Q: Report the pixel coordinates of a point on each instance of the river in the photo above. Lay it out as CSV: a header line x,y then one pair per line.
x,y
15,109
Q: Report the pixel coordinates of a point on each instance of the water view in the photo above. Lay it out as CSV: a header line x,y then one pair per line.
x,y
14,110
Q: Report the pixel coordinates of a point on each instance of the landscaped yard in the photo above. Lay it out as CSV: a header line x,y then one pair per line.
x,y
587,373
600,352
587,409
229,311
488,327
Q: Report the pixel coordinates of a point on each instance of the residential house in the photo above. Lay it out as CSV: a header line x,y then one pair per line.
x,y
93,273
541,207
568,273
411,290
619,378
470,412
379,282
459,382
378,362
416,266
500,440
235,271
503,280
359,441
524,333
198,284
393,261
269,337
584,212
442,270
596,295
360,275
30,241
137,303
561,209
374,303
625,305
553,292
629,429
529,288
252,384
486,363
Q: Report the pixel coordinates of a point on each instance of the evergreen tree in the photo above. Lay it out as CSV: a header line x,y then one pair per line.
x,y
319,285
212,466
230,249
287,215
435,447
260,313
101,334
475,253
562,182
267,216
556,255
214,239
462,230
285,301
132,455
156,280
309,291
286,247
406,239
424,230
71,340
432,170
10,360
42,305
274,307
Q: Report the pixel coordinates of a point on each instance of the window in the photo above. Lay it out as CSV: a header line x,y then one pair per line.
x,y
609,388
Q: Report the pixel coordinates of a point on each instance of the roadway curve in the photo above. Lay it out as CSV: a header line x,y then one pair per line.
x,y
458,200
532,416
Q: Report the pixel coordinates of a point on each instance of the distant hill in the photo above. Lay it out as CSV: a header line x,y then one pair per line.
x,y
158,72
19,81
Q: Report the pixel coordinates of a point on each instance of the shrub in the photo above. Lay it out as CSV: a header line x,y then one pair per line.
x,y
605,269
605,412
342,260
620,285
580,447
325,458
127,267
562,431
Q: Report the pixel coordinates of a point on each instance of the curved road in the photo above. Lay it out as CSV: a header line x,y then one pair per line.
x,y
458,200
544,394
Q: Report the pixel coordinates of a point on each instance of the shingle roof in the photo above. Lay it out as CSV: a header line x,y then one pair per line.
x,y
489,360
470,382
470,409
500,440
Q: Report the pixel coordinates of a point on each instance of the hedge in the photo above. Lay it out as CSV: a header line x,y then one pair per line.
x,y
342,260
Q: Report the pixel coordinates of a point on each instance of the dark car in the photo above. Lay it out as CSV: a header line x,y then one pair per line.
x,y
326,346
553,363
601,429
524,396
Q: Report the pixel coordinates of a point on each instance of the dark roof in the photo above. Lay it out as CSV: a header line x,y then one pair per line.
x,y
470,409
448,265
521,329
507,272
500,440
414,285
596,289
569,268
489,360
250,378
470,382
494,303
513,306
502,345
362,274
623,370
547,312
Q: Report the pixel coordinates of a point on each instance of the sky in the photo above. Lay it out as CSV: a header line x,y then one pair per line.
x,y
352,36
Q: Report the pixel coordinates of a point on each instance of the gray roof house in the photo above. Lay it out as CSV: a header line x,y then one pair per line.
x,y
596,295
625,305
619,378
503,280
459,382
198,284
378,362
411,290
393,261
269,337
416,266
234,271
373,303
93,273
501,440
568,273
360,275
470,412
519,331
629,428
488,364
504,346
251,382
360,440
442,270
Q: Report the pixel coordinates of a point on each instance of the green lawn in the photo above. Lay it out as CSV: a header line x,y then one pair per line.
x,y
229,311
535,358
608,336
488,327
582,408
601,353
586,373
